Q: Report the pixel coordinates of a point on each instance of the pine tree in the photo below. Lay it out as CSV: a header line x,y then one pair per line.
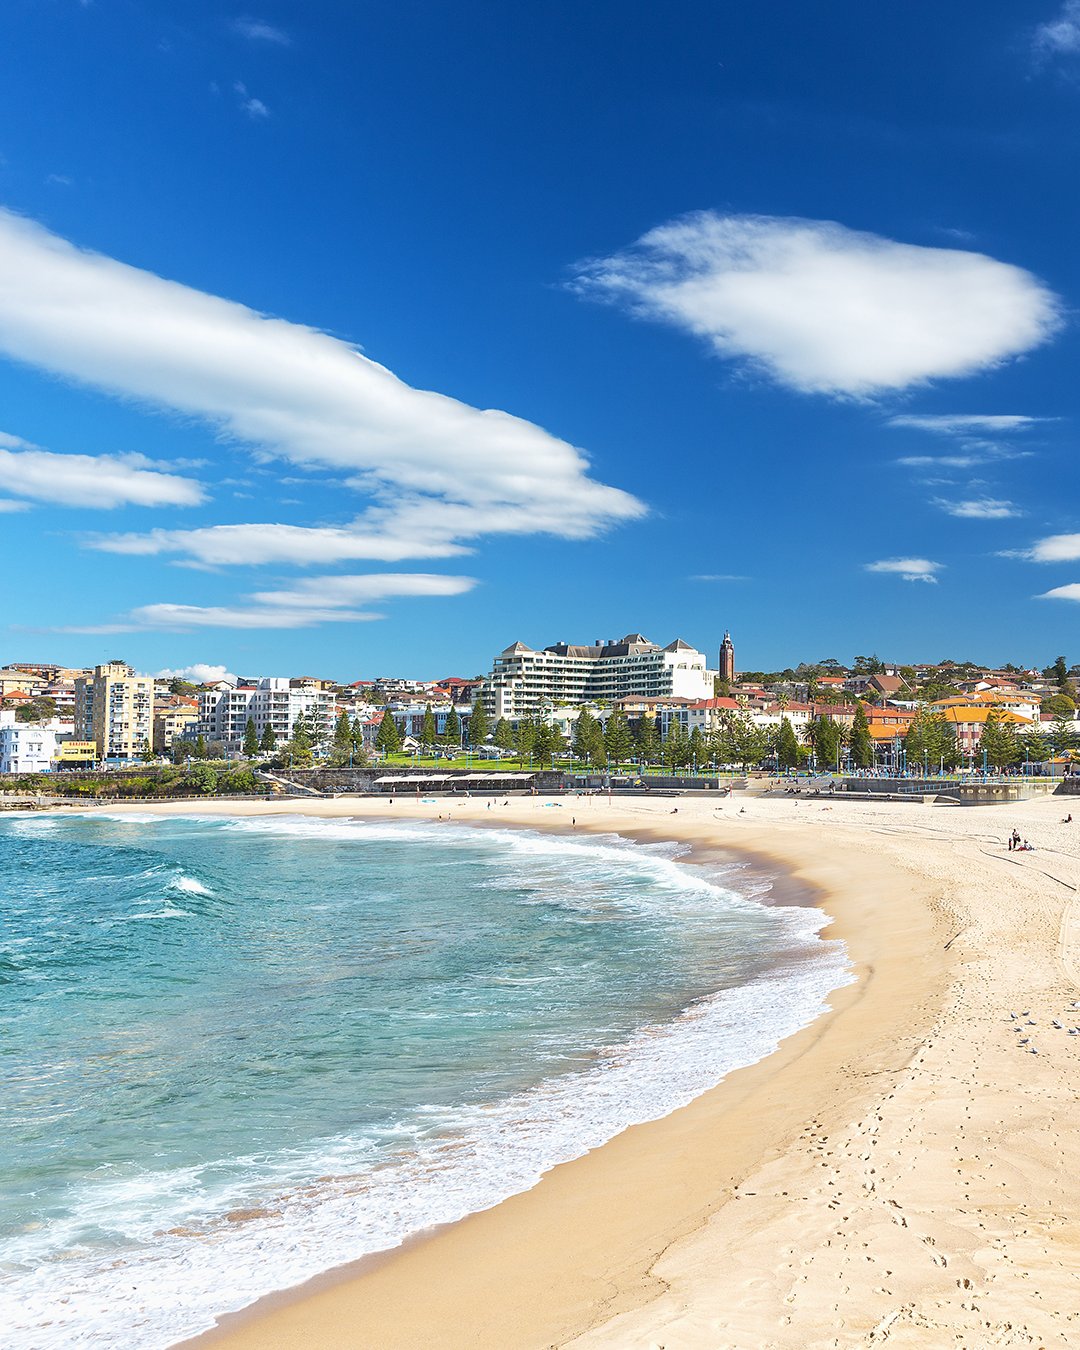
x,y
697,752
342,732
251,740
548,742
1061,736
998,742
200,747
645,741
429,732
479,726
504,735
452,731
268,740
676,745
787,746
861,746
525,738
580,741
617,739
749,743
388,739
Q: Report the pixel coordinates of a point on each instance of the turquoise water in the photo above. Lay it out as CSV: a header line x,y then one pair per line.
x,y
237,1052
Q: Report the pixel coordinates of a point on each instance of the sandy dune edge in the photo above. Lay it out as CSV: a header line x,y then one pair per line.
x,y
905,1170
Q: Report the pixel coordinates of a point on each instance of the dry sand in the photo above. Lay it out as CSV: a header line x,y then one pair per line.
x,y
907,1169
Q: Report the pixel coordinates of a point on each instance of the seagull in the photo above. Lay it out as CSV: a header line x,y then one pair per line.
x,y
1057,1024
1025,1041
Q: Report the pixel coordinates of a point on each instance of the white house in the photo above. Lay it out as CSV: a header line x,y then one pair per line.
x,y
25,747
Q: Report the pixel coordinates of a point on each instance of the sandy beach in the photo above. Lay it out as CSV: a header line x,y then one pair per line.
x,y
903,1170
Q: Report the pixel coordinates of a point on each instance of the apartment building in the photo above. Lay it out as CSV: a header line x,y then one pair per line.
x,y
171,722
274,701
522,681
114,707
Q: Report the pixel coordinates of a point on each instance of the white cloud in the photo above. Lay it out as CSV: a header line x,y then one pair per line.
x,y
228,545
438,470
7,506
255,108
310,601
1060,35
1055,548
952,424
982,508
1070,592
911,569
259,31
717,577
197,674
98,481
825,309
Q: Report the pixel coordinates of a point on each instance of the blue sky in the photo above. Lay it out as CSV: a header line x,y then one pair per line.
x,y
774,306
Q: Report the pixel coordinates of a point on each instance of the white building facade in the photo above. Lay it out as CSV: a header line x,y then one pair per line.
x,y
274,701
25,747
523,681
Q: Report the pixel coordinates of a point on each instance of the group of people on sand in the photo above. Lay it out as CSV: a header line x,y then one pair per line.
x,y
1018,845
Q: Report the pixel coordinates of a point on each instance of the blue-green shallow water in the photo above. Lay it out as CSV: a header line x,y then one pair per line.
x,y
237,1052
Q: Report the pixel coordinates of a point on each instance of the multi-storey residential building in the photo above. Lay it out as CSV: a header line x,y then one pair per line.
x,y
524,681
25,747
224,713
15,681
114,707
171,721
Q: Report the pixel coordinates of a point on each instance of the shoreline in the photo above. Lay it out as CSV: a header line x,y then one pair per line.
x,y
382,1280
902,1165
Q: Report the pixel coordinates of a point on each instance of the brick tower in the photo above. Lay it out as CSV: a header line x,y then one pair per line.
x,y
727,659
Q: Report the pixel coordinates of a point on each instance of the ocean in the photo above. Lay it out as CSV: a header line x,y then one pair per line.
x,y
240,1051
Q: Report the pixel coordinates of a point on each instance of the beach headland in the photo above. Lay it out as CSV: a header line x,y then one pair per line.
x,y
905,1168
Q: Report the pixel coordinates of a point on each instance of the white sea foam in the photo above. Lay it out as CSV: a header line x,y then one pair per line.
x,y
190,884
451,1162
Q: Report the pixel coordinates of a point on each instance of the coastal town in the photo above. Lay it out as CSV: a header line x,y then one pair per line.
x,y
606,706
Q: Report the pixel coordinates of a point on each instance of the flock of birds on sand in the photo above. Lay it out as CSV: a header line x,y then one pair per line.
x,y
1025,1041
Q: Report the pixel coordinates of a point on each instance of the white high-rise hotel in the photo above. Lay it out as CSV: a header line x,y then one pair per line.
x,y
523,680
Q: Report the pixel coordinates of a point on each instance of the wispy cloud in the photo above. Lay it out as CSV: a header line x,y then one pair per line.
x,y
717,577
259,31
910,569
824,309
981,508
438,471
100,482
1061,36
961,428
310,602
254,107
952,424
